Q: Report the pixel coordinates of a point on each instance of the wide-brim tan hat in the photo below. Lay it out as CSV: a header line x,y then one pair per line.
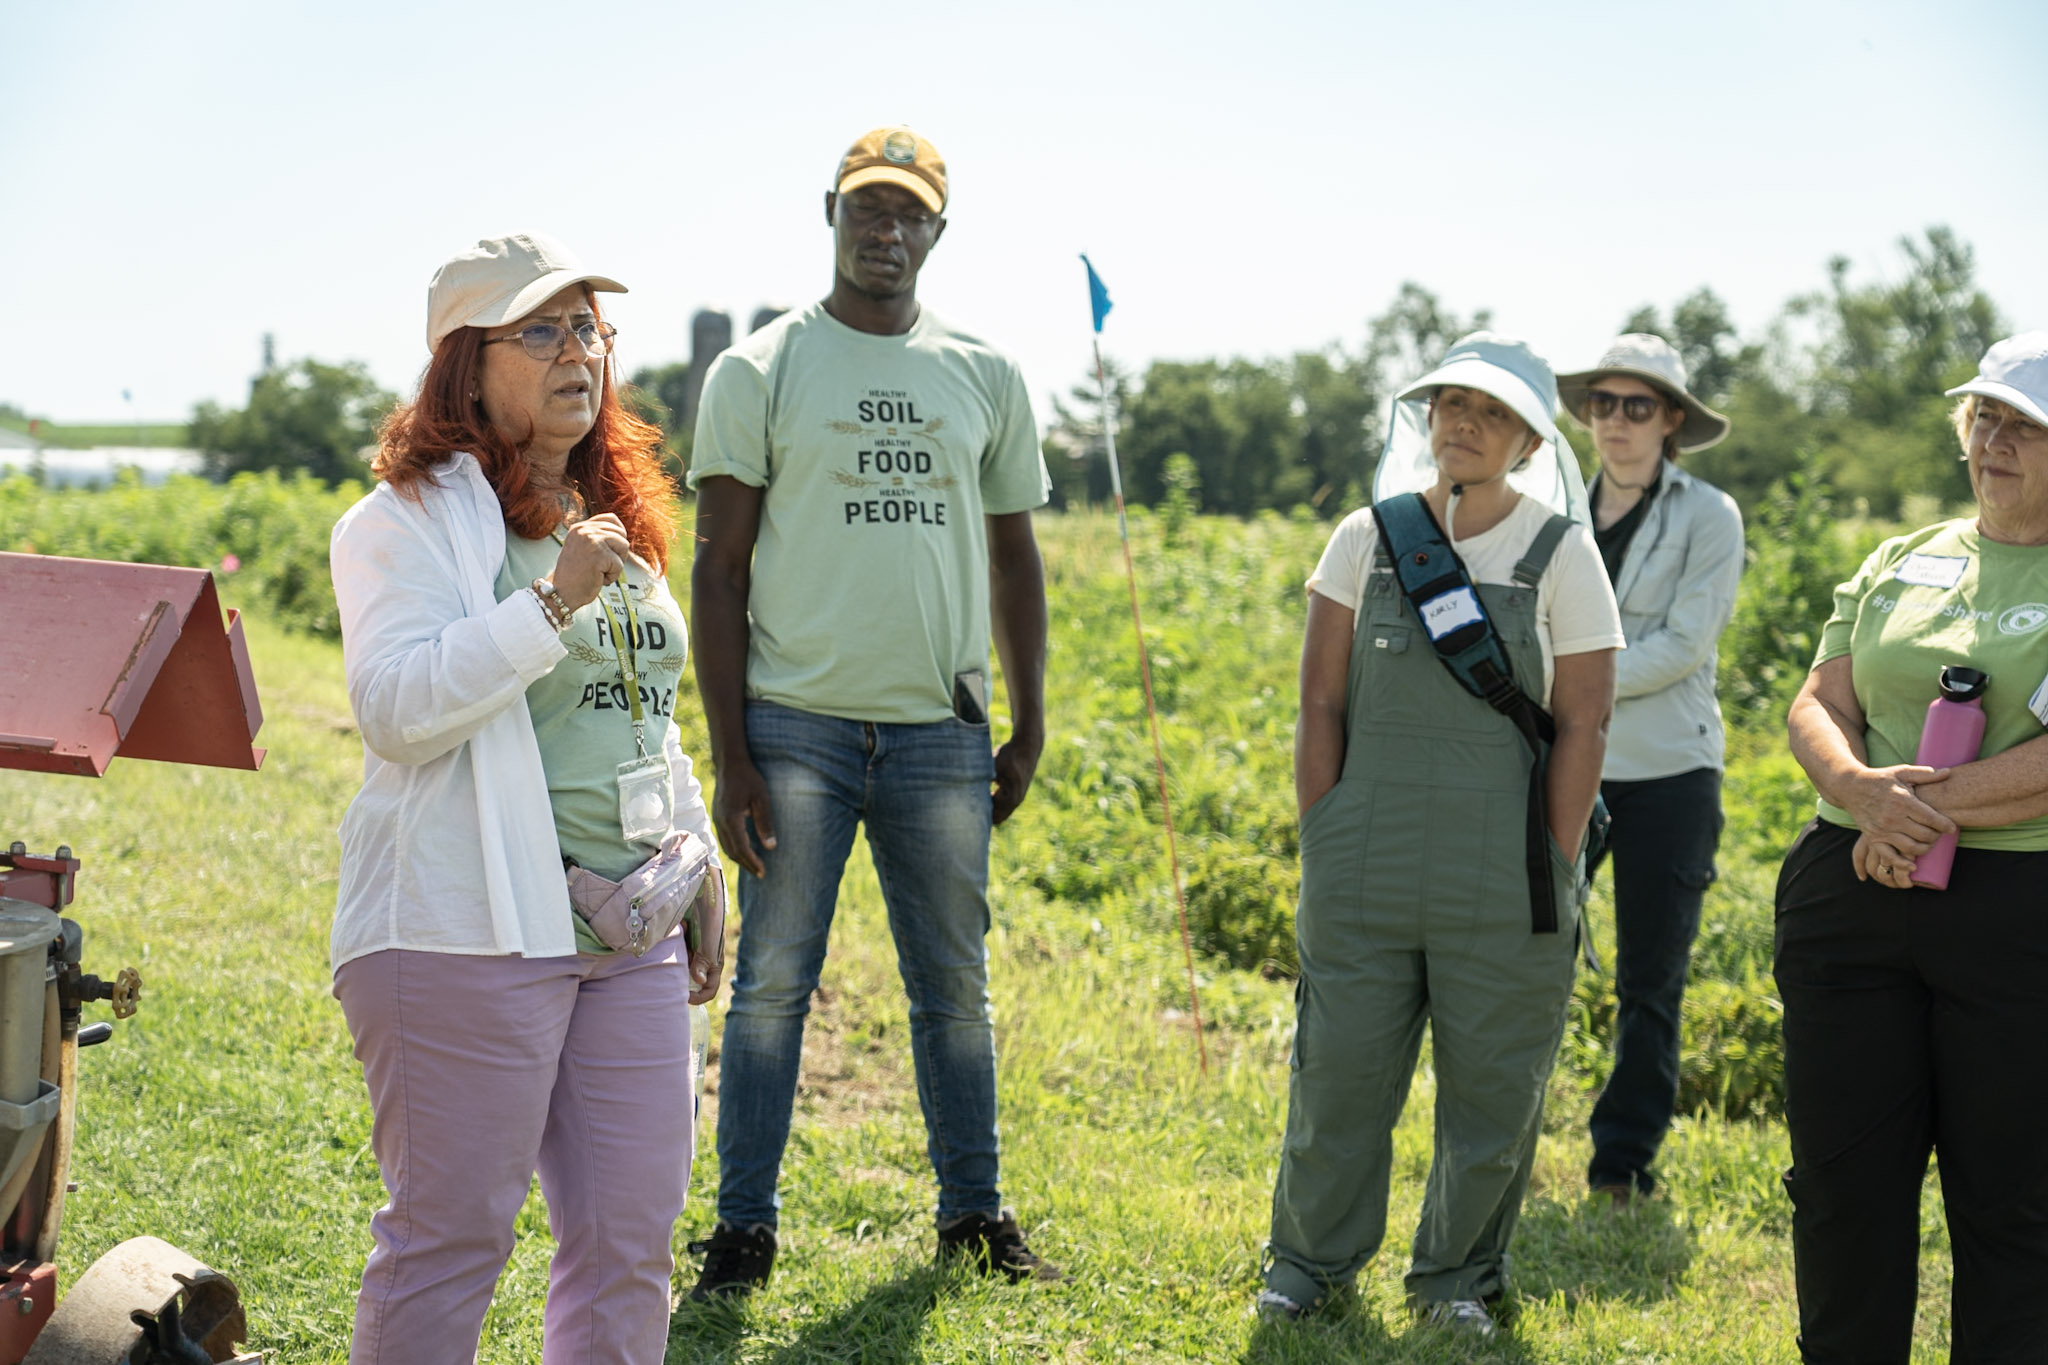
x,y
1657,363
502,279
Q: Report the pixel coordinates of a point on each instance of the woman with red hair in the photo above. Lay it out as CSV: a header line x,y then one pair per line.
x,y
510,641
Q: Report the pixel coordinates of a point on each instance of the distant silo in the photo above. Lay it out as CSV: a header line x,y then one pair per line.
x,y
710,333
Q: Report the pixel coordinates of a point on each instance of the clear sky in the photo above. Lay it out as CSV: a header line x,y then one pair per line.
x,y
182,176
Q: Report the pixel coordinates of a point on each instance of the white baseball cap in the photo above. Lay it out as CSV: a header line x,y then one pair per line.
x,y
502,279
2015,372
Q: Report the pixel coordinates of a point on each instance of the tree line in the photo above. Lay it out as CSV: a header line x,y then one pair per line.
x,y
1843,384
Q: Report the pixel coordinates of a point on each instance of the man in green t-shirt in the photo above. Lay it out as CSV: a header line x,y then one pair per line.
x,y
865,475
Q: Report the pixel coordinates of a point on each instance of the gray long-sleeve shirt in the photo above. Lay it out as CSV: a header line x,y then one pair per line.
x,y
1676,588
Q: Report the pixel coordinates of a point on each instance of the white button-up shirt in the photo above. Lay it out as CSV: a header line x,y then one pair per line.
x,y
450,845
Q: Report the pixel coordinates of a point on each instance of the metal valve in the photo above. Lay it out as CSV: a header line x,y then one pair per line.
x,y
125,992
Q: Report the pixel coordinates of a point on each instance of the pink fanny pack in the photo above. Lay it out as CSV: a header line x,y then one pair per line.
x,y
631,916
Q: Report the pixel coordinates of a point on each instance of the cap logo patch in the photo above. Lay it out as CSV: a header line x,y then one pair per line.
x,y
900,147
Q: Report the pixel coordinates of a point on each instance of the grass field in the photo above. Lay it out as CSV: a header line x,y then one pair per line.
x,y
228,1116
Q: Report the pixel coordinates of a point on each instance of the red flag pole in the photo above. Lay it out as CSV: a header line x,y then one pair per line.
x,y
1180,900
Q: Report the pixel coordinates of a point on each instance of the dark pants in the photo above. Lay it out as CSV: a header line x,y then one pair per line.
x,y
1662,843
1916,1020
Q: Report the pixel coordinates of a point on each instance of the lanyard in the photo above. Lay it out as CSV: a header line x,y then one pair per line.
x,y
627,651
629,657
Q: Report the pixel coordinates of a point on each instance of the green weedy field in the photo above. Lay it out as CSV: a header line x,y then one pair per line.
x,y
228,1116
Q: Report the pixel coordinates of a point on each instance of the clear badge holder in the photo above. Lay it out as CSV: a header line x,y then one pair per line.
x,y
646,798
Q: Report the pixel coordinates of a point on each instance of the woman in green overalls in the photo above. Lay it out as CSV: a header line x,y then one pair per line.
x,y
1415,889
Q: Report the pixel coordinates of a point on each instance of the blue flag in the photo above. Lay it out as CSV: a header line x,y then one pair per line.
x,y
1098,294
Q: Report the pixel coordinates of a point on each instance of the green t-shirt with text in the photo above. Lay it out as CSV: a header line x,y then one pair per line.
x,y
878,457
1944,595
583,719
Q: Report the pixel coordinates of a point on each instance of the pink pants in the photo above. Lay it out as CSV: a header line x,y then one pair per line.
x,y
482,1069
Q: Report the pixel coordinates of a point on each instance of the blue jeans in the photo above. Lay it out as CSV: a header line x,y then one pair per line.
x,y
923,793
1665,833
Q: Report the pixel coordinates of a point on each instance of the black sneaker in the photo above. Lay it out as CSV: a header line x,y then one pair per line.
x,y
994,1246
736,1261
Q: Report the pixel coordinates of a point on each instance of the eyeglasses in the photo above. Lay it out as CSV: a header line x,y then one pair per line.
x,y
546,341
1637,407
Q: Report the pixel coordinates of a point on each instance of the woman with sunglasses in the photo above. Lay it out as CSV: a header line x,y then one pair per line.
x,y
1673,547
1916,1003
513,655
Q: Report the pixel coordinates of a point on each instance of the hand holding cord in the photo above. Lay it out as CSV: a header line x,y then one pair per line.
x,y
594,553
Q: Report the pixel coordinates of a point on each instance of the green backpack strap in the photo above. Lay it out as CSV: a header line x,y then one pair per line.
x,y
1529,568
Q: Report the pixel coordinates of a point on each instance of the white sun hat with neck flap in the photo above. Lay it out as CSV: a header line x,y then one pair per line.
x,y
1512,372
502,279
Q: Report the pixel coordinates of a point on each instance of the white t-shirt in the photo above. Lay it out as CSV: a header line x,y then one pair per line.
x,y
1575,610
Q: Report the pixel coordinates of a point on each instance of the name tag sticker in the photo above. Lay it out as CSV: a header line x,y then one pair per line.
x,y
2038,703
1932,571
1446,612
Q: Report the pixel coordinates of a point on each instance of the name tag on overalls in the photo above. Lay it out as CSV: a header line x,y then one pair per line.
x,y
1448,611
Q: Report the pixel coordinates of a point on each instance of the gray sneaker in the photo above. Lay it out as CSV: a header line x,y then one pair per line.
x,y
1273,1306
1465,1317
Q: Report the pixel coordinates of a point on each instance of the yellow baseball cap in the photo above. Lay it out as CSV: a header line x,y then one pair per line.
x,y
895,156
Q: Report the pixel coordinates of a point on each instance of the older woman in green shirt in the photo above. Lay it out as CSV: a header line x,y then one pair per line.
x,y
1915,1019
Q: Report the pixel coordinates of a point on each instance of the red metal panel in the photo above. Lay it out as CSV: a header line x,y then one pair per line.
x,y
98,658
202,707
43,879
28,1295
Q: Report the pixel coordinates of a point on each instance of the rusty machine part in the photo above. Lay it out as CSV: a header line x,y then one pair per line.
x,y
160,675
97,1322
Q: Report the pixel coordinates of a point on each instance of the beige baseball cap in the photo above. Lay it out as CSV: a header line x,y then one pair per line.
x,y
502,279
895,156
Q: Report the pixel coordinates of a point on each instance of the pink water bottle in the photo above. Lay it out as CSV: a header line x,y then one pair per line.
x,y
1954,734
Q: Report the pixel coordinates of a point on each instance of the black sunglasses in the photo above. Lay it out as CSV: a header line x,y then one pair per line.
x,y
1637,407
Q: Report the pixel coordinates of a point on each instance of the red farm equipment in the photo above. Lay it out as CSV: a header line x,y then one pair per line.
x,y
96,659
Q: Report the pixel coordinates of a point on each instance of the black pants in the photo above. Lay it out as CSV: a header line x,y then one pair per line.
x,y
1663,841
1916,1020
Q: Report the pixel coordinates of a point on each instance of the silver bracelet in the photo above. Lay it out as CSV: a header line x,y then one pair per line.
x,y
544,589
555,623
